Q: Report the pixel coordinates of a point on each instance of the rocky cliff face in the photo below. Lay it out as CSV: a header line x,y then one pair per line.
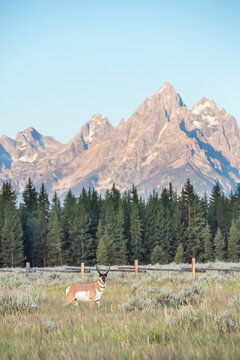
x,y
161,142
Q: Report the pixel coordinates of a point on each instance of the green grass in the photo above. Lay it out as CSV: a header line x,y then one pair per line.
x,y
138,319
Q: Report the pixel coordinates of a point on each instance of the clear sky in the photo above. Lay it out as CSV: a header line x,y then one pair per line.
x,y
61,61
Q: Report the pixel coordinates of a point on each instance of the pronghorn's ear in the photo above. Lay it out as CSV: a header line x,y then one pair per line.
x,y
98,270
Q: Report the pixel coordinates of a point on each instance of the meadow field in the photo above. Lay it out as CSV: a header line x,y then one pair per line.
x,y
157,316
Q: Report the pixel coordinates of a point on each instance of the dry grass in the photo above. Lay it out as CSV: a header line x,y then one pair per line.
x,y
145,319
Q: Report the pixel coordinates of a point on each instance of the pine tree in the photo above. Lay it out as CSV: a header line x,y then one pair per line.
x,y
207,244
1,220
11,244
233,243
176,232
43,201
110,232
179,257
219,244
219,214
56,206
28,216
152,218
164,232
68,213
93,206
41,248
126,203
193,238
102,256
186,202
158,255
54,240
7,192
136,234
120,239
82,247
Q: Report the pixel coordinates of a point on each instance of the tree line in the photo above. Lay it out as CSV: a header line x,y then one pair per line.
x,y
118,228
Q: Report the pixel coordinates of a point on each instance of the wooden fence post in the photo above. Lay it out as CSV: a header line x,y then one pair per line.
x,y
193,268
27,269
82,270
136,268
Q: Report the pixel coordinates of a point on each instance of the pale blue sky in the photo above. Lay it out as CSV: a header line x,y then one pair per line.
x,y
61,61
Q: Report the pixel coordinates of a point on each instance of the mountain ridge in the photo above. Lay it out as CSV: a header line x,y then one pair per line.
x,y
161,142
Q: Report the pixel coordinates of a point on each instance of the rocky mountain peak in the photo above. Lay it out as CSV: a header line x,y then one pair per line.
x,y
30,136
161,142
203,106
97,127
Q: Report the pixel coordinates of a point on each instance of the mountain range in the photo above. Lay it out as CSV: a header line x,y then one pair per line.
x,y
162,141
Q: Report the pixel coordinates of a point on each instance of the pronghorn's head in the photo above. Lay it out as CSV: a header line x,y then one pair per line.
x,y
103,275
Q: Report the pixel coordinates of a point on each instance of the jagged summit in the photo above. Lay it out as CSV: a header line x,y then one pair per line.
x,y
30,135
98,126
204,105
161,142
166,87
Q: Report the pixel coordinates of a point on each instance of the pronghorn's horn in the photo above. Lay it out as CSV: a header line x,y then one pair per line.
x,y
98,270
108,269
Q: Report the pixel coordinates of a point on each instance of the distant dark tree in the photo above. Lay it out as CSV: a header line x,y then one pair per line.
x,y
11,241
68,214
110,233
82,247
193,217
55,234
102,256
152,218
7,195
187,201
219,244
234,243
179,257
54,240
43,201
136,229
207,254
158,255
40,248
219,214
120,238
28,216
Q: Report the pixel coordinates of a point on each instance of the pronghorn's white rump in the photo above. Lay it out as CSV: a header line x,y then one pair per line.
x,y
67,290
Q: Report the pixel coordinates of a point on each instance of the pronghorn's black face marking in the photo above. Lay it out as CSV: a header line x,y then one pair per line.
x,y
102,276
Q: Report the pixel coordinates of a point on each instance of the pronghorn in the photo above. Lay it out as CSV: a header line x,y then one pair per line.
x,y
87,292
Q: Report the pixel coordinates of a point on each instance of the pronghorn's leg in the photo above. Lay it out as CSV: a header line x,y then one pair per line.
x,y
91,303
98,302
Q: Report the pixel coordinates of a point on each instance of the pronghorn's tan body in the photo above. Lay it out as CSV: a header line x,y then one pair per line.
x,y
87,292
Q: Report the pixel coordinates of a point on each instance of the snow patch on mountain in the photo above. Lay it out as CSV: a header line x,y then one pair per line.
x,y
200,107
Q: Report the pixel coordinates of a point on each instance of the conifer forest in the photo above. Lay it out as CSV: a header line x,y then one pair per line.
x,y
118,228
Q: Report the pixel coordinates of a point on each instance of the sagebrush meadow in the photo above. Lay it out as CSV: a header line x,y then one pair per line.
x,y
157,316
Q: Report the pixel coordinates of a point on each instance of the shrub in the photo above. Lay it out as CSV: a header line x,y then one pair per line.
x,y
136,303
226,321
189,295
21,301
